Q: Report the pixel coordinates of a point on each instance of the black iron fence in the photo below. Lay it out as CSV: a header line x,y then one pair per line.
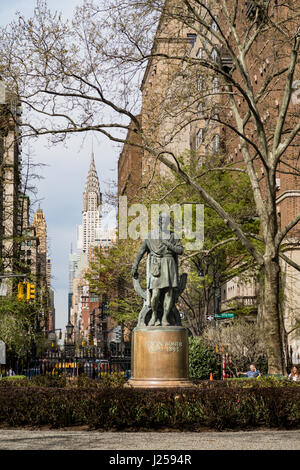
x,y
58,364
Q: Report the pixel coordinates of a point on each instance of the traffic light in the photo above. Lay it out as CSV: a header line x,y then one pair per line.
x,y
30,292
21,292
60,334
91,341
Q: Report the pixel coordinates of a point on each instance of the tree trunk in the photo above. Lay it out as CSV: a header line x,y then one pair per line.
x,y
272,318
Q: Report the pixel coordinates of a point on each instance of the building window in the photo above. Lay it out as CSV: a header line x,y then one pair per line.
x,y
192,38
215,85
200,53
215,119
199,138
200,83
216,143
214,25
214,55
200,110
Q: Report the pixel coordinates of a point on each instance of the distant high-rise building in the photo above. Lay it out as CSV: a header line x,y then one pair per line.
x,y
91,217
83,306
79,237
73,265
39,223
10,179
44,269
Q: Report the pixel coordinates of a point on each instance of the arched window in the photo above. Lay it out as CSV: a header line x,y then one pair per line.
x,y
214,25
214,55
200,53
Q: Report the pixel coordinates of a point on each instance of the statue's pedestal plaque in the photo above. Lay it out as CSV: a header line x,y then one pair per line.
x,y
160,357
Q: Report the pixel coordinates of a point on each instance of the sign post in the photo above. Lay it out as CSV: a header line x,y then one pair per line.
x,y
221,316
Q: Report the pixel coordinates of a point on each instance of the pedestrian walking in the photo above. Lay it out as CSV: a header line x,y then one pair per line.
x,y
295,374
251,373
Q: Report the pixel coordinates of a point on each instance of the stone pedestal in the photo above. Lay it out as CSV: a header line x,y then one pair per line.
x,y
160,357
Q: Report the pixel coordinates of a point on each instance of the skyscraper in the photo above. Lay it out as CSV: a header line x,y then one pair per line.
x,y
91,217
44,269
86,235
91,233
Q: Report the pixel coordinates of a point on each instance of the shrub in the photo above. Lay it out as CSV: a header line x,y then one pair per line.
x,y
214,404
202,361
115,379
49,380
14,378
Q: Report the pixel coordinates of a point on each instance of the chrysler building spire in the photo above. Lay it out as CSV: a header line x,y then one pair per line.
x,y
92,199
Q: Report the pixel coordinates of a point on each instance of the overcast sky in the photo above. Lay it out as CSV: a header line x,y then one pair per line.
x,y
61,188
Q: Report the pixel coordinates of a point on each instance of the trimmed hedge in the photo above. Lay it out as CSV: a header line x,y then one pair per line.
x,y
216,405
14,378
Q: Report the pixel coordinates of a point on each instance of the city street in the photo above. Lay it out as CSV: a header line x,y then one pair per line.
x,y
93,440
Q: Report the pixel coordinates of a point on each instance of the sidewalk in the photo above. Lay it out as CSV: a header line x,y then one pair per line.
x,y
93,440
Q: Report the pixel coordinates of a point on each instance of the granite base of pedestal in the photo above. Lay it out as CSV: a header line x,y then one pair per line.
x,y
160,358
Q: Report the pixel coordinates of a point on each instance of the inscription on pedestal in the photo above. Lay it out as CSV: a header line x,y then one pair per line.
x,y
167,346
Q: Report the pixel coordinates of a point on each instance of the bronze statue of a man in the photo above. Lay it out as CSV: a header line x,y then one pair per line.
x,y
162,270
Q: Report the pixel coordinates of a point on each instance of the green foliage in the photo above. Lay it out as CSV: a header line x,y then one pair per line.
x,y
110,274
115,379
215,404
202,361
48,380
14,378
17,324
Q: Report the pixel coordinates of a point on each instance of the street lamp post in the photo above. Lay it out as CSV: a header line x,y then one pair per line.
x,y
69,344
206,259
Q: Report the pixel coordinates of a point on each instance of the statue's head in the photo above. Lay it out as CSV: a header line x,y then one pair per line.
x,y
163,220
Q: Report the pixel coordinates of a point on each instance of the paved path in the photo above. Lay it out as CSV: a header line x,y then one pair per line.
x,y
93,440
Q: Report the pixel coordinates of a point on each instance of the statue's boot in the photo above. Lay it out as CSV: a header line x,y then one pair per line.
x,y
164,322
152,320
157,323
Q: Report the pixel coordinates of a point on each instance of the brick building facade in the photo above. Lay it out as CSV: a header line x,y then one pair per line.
x,y
187,109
